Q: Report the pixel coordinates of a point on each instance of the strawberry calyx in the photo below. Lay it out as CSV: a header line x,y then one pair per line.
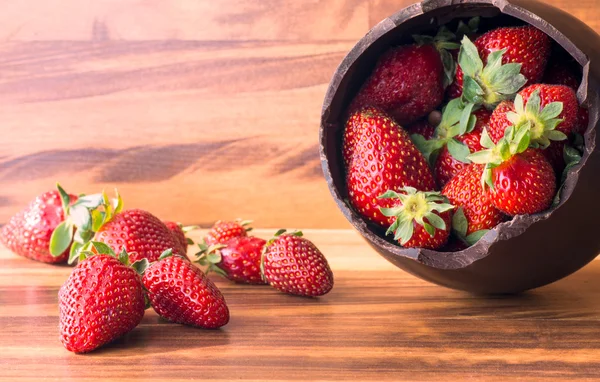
x,y
515,141
460,227
94,248
210,257
443,43
83,218
490,84
457,119
542,122
416,207
269,243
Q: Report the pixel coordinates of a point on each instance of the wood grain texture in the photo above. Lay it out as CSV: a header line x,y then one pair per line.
x,y
378,324
196,110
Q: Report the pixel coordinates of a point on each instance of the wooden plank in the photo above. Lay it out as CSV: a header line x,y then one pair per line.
x,y
196,110
378,324
183,20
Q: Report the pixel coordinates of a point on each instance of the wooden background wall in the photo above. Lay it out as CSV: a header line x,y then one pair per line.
x,y
195,109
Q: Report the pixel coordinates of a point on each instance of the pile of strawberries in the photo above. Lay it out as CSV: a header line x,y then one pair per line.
x,y
444,141
129,260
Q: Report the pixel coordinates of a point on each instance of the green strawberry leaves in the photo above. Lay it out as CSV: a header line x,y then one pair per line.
x,y
210,257
515,141
83,218
490,84
416,207
459,150
541,122
61,238
457,119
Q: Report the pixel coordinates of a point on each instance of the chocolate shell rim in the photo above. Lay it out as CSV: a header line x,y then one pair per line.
x,y
504,231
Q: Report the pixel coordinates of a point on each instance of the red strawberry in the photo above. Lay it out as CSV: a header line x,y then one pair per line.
x,y
407,83
465,191
529,108
420,219
101,300
446,166
520,180
181,293
142,235
556,93
294,265
558,73
222,231
526,45
28,232
524,184
179,232
384,159
422,127
238,259
499,121
549,111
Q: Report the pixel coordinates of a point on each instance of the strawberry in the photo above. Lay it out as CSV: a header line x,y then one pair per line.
x,y
558,73
524,51
102,299
407,83
524,184
238,259
520,180
28,232
447,165
222,231
422,127
549,111
181,293
546,109
464,191
142,235
294,265
177,231
384,159
420,219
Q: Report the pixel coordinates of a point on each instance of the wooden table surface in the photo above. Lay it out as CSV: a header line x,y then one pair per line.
x,y
378,324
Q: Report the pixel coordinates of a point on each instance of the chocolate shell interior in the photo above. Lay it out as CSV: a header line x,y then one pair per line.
x,y
530,250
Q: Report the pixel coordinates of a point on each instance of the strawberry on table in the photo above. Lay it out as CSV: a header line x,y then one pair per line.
x,y
28,232
383,159
102,300
464,191
222,231
420,219
180,233
140,233
238,259
181,293
294,265
518,179
513,57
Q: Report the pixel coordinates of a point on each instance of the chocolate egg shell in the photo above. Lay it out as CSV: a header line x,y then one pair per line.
x,y
530,250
